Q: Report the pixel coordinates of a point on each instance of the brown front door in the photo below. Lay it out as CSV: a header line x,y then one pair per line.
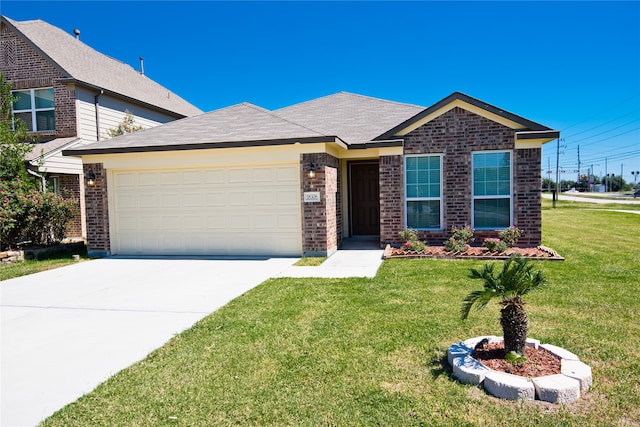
x,y
365,199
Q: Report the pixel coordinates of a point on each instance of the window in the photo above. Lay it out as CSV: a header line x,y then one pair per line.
x,y
423,192
36,108
492,190
53,185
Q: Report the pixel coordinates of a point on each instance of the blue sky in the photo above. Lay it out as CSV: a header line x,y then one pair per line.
x,y
573,66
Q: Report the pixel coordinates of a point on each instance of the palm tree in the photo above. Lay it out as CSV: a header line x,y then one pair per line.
x,y
515,280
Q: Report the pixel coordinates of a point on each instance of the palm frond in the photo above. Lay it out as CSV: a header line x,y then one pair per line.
x,y
514,280
479,298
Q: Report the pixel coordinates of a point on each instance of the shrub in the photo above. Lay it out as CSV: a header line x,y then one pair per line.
x,y
460,238
495,245
28,214
510,236
410,239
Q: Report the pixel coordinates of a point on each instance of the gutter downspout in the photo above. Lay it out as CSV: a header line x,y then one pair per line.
x,y
42,179
96,102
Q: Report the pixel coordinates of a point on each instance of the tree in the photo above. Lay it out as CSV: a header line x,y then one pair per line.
x,y
14,140
125,126
515,280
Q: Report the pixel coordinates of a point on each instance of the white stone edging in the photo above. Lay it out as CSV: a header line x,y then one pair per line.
x,y
575,377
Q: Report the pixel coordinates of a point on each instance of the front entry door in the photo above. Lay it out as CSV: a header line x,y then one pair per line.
x,y
365,199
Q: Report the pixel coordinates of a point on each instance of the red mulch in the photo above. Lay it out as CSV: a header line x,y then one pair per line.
x,y
539,361
472,252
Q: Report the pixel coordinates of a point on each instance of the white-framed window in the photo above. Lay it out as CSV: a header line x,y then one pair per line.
x,y
53,185
492,190
423,191
36,108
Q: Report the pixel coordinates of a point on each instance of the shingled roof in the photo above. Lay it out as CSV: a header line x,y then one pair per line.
x,y
84,65
353,121
240,125
356,119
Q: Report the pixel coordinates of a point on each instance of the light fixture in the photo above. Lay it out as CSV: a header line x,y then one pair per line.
x,y
91,178
312,171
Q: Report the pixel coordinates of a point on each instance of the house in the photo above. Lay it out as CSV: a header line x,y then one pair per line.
x,y
244,180
69,95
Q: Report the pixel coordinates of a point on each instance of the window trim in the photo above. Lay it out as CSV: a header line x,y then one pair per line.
x,y
492,197
33,110
440,198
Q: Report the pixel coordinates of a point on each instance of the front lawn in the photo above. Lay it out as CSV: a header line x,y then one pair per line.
x,y
354,352
24,268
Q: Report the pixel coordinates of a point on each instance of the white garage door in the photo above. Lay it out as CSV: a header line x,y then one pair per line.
x,y
217,211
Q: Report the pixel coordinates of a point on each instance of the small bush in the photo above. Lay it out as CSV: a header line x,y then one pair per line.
x,y
460,238
510,236
495,245
411,242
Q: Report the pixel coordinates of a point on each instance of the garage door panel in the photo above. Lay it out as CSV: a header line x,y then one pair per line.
x,y
215,177
127,180
287,174
192,178
216,211
238,176
126,201
169,178
189,200
239,198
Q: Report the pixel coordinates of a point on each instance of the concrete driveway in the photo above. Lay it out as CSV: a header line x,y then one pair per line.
x,y
65,331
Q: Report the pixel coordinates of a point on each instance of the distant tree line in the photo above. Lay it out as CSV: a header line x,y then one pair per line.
x,y
586,183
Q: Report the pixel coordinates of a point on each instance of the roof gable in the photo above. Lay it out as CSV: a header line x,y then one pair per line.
x,y
526,129
82,64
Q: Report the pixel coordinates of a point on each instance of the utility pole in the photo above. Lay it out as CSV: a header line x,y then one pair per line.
x,y
549,173
606,186
578,180
555,191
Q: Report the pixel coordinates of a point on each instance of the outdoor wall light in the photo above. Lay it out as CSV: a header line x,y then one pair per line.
x,y
91,178
312,171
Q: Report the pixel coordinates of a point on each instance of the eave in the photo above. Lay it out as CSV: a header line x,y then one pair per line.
x,y
204,146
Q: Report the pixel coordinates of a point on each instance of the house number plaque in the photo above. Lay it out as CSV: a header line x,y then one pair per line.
x,y
311,196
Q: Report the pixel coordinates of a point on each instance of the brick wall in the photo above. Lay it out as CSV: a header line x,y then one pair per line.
x,y
456,134
391,198
97,211
527,213
70,187
321,221
26,69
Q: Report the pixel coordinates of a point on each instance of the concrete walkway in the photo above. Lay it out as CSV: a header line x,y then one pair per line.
x,y
65,331
347,263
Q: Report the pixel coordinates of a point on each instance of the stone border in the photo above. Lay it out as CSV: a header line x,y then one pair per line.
x,y
575,377
476,252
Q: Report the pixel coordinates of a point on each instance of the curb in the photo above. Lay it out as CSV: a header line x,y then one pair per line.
x,y
575,377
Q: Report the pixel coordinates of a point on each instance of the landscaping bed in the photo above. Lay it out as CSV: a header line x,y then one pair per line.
x,y
472,252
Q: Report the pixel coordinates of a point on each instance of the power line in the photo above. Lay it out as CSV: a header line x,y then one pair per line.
x,y
603,124
599,113
606,131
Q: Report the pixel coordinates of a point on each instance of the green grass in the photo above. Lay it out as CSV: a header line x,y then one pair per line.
x,y
23,268
354,352
310,261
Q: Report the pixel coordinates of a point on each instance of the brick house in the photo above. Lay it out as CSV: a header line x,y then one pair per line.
x,y
243,180
69,95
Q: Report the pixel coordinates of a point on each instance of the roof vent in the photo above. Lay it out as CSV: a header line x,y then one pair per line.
x,y
141,65
77,33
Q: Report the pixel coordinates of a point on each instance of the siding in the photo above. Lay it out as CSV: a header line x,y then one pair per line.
x,y
111,114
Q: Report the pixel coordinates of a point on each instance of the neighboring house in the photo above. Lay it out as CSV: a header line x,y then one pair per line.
x,y
243,180
69,95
